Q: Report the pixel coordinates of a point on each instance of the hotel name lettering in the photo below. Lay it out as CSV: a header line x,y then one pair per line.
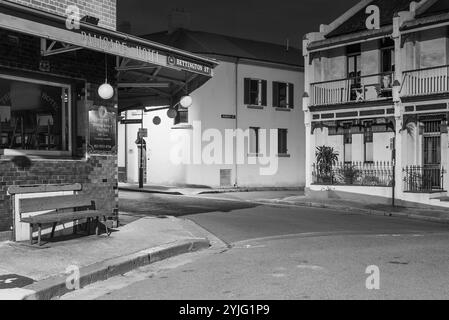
x,y
121,47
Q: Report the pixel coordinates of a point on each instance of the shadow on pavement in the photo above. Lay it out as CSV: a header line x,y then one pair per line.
x,y
156,205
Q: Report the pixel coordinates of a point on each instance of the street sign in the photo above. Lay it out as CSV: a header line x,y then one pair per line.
x,y
228,116
143,132
131,121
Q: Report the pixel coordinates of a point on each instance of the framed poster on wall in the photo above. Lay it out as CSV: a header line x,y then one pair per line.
x,y
102,130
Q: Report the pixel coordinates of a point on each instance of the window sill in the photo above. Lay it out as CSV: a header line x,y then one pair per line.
x,y
284,155
255,107
36,153
254,155
9,155
284,109
182,127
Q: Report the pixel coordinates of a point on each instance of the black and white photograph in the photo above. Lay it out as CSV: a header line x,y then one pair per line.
x,y
224,156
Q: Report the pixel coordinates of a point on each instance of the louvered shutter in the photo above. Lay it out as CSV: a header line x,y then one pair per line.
x,y
275,94
247,90
264,92
291,96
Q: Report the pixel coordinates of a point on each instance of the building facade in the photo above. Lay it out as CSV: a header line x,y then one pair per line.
x,y
255,94
56,127
104,10
376,102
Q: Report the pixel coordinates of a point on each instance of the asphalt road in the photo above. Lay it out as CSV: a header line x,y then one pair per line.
x,y
287,253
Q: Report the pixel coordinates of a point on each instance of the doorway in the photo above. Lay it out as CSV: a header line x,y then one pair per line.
x,y
432,155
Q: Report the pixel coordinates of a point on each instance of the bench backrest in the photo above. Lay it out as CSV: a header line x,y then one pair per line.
x,y
54,203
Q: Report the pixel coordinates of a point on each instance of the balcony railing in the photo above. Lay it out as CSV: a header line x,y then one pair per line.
x,y
425,81
423,179
356,89
378,174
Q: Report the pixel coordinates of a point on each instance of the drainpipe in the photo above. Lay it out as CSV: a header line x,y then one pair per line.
x,y
236,118
126,148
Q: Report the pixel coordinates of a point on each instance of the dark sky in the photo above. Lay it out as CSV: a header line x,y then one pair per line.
x,y
271,21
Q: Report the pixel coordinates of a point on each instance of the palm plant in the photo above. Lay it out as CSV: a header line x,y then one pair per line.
x,y
326,158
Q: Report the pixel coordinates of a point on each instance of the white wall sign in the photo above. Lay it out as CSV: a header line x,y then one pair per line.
x,y
373,20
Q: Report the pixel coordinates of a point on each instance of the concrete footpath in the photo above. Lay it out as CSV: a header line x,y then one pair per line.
x,y
434,214
31,272
192,190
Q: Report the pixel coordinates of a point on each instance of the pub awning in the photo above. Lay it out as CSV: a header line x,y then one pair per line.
x,y
148,73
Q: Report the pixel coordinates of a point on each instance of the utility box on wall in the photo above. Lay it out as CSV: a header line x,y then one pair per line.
x,y
225,178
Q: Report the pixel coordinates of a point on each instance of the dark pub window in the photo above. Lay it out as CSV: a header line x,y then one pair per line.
x,y
282,141
34,115
255,92
283,95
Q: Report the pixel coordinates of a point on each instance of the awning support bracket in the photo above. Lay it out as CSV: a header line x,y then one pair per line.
x,y
56,47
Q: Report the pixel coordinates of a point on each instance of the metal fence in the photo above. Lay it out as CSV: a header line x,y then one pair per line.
x,y
423,179
377,174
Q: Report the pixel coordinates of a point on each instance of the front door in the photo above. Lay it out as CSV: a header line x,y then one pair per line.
x,y
432,155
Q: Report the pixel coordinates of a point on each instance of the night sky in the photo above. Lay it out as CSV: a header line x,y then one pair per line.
x,y
271,21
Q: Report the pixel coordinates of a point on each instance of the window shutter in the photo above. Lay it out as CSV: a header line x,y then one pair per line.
x,y
291,96
275,94
279,141
264,92
247,89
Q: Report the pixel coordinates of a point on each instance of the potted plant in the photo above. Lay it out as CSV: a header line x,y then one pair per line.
x,y
326,159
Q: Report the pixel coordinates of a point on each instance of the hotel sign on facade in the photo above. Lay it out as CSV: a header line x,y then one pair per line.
x,y
91,37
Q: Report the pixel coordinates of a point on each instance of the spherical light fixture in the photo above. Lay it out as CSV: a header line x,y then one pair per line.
x,y
157,121
106,91
186,101
172,113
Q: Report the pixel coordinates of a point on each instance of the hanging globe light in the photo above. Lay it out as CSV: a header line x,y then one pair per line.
x,y
106,91
186,101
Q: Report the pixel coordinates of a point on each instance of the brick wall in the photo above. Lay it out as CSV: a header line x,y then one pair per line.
x,y
105,10
97,174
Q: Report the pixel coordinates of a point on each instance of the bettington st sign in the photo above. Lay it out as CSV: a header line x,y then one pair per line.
x,y
188,65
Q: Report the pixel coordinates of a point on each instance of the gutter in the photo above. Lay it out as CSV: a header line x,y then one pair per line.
x,y
345,40
425,23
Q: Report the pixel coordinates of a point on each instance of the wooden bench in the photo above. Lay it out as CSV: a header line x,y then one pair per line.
x,y
81,207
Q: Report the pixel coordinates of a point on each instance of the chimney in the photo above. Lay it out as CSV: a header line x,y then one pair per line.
x,y
178,18
125,27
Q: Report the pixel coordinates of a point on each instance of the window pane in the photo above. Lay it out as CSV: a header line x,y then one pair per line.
x,y
34,116
254,92
254,140
282,95
182,116
282,141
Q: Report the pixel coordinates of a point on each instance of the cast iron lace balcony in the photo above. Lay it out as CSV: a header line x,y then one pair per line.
x,y
378,174
357,89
